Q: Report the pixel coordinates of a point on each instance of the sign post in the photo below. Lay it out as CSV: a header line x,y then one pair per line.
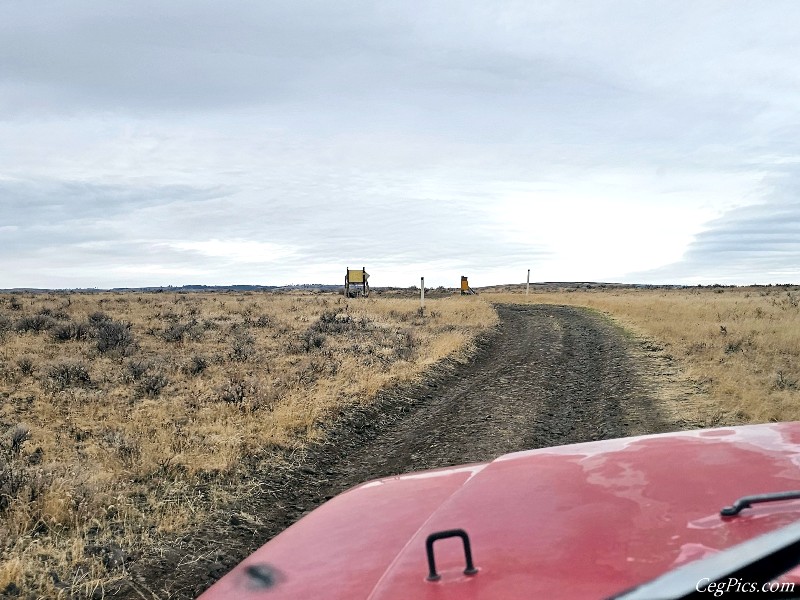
x,y
422,292
356,278
528,283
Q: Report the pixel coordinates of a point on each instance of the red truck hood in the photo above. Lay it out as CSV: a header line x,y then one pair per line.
x,y
581,521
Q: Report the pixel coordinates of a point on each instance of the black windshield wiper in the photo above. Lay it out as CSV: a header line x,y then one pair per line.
x,y
757,561
748,501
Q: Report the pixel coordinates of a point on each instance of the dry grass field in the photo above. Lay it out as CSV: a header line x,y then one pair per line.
x,y
127,416
740,346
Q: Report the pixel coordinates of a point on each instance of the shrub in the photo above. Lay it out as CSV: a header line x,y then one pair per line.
x,y
234,391
25,364
239,390
96,318
197,364
57,314
5,323
12,474
209,324
243,347
115,336
135,369
734,346
150,379
263,321
15,437
177,332
69,373
35,323
329,322
124,446
71,331
783,382
312,341
407,343
60,315
332,322
152,384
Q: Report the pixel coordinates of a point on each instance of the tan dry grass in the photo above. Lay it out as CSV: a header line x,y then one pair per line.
x,y
130,443
740,345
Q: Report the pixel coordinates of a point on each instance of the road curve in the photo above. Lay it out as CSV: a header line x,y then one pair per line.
x,y
546,375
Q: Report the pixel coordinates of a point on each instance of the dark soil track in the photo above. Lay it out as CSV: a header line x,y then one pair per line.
x,y
546,375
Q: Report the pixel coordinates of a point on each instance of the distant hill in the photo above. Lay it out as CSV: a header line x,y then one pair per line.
x,y
387,290
190,288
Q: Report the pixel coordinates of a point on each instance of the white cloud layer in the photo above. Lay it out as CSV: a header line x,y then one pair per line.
x,y
151,143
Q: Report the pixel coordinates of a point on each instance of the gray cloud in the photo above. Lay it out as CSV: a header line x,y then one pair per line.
x,y
143,135
158,235
53,203
753,244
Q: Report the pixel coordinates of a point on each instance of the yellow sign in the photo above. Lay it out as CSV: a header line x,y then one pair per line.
x,y
358,276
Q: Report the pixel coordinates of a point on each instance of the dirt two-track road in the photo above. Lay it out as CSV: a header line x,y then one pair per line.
x,y
547,375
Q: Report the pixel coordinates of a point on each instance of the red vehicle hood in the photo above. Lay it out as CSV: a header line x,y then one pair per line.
x,y
581,521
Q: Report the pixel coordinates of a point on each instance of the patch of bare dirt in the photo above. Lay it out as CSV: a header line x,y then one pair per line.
x,y
546,375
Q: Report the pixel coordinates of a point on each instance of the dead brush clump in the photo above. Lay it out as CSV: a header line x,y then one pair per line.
x,y
134,369
196,365
34,323
114,337
152,384
142,409
148,376
13,472
68,373
334,322
309,342
26,364
71,331
180,331
124,446
262,321
6,323
242,346
245,393
740,346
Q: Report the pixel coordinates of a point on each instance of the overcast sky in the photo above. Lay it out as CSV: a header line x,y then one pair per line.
x,y
273,142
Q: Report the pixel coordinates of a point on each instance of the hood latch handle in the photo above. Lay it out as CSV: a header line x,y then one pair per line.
x,y
440,535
